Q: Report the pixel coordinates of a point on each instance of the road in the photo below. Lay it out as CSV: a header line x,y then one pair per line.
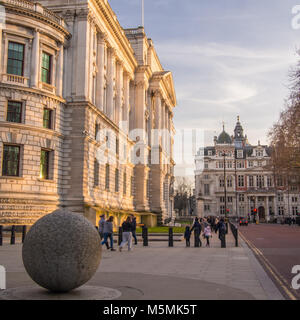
x,y
277,247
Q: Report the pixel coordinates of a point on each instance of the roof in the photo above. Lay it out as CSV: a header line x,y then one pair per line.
x,y
224,138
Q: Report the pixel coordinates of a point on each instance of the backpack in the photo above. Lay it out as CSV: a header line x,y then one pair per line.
x,y
223,227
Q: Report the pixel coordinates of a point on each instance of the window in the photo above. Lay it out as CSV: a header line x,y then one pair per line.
x,y
240,165
259,153
229,165
15,62
206,207
222,199
46,67
294,199
280,181
260,181
206,165
241,197
222,209
14,112
117,146
11,161
251,181
241,182
47,118
240,154
107,176
295,211
281,211
229,199
96,173
269,181
221,182
97,128
280,197
117,180
124,183
44,164
229,182
250,164
206,189
206,176
221,164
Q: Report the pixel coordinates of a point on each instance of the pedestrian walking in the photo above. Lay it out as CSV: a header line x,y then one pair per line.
x,y
134,229
101,228
221,227
207,234
197,227
108,233
127,234
187,236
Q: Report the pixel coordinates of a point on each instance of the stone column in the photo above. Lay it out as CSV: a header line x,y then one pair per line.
x,y
158,106
1,55
126,99
35,60
59,71
111,83
120,90
100,74
267,208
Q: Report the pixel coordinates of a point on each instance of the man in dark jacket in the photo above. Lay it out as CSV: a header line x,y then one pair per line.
x,y
221,227
197,227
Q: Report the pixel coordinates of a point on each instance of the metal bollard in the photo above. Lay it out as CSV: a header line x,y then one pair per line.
x,y
13,235
236,237
145,236
120,236
24,229
171,244
1,235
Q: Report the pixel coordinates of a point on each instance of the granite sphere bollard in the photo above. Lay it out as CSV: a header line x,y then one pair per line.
x,y
62,251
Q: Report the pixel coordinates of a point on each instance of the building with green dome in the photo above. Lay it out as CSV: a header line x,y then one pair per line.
x,y
244,176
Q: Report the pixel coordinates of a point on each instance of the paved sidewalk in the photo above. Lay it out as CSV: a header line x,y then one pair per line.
x,y
159,272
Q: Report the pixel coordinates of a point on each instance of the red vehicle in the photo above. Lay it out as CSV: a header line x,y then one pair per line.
x,y
243,222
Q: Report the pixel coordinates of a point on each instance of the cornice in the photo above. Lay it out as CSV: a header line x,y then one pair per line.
x,y
36,92
24,126
116,30
9,8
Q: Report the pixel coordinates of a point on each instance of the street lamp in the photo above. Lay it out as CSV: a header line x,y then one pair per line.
x,y
225,191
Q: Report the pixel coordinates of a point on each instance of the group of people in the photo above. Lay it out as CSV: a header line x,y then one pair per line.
x,y
105,229
207,226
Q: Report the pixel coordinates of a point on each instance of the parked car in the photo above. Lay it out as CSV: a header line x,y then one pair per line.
x,y
243,222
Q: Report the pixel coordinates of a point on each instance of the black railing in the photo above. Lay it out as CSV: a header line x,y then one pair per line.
x,y
13,231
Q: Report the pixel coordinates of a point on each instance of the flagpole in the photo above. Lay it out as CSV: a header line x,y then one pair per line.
x,y
143,14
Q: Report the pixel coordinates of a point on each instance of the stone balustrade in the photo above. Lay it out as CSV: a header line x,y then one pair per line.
x,y
35,7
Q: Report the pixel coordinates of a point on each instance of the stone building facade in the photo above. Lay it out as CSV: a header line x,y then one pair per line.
x,y
251,188
81,102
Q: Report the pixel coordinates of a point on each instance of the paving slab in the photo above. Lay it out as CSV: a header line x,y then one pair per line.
x,y
159,272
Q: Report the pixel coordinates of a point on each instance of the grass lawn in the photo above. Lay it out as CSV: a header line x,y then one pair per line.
x,y
162,230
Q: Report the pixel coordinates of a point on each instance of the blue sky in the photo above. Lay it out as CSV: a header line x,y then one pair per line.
x,y
228,58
